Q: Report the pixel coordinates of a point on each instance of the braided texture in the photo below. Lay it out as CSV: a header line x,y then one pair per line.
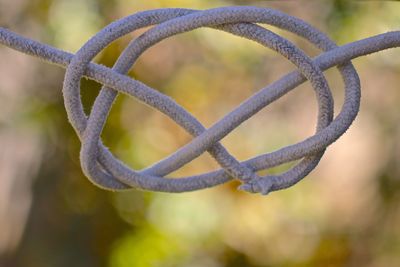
x,y
106,171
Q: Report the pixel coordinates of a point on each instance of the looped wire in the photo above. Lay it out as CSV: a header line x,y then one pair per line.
x,y
106,171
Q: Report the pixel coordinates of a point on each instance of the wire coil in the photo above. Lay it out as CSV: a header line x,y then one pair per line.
x,y
106,171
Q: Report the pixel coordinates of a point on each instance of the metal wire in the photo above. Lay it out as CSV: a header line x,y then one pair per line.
x,y
106,171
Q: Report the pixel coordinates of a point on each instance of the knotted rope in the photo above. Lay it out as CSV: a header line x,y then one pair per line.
x,y
107,172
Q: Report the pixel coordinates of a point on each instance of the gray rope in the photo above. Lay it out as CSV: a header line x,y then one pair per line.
x,y
106,171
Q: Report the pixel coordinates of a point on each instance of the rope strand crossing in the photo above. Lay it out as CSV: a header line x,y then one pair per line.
x,y
106,171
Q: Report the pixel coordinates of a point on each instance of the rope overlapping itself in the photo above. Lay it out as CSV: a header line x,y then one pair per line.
x,y
104,170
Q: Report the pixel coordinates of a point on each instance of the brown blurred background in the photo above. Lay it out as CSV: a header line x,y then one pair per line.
x,y
346,213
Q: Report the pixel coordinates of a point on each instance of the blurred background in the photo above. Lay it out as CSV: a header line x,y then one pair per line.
x,y
346,213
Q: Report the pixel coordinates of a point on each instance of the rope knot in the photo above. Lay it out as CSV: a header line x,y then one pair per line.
x,y
106,171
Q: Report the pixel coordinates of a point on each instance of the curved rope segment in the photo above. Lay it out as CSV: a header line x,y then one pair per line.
x,y
106,171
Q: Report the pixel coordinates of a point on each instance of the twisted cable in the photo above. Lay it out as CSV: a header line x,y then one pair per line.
x,y
106,171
